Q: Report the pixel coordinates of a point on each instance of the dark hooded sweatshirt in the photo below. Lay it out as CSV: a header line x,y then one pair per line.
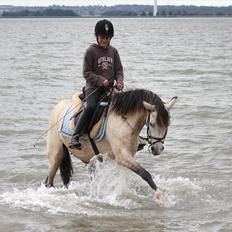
x,y
100,64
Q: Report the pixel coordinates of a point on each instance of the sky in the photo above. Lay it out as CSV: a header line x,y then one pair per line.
x,y
114,2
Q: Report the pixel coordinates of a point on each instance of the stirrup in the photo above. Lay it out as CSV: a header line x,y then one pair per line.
x,y
75,144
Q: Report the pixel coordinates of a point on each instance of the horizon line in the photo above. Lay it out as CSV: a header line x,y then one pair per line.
x,y
112,5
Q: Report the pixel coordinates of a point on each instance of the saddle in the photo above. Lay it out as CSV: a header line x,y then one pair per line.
x,y
98,116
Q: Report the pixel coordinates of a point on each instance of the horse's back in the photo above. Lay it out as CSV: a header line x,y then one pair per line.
x,y
55,119
59,110
56,116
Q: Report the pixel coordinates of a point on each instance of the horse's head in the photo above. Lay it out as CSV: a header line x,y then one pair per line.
x,y
157,124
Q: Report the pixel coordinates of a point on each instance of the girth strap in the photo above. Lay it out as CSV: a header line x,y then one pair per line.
x,y
94,146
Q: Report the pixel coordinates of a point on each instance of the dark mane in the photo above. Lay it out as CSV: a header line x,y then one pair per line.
x,y
132,101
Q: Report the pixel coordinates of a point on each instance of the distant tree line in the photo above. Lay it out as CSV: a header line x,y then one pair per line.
x,y
167,11
114,11
41,13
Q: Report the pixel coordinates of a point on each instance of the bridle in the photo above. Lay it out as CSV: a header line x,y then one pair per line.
x,y
152,140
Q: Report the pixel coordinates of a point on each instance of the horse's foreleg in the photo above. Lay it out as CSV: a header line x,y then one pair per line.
x,y
128,161
138,169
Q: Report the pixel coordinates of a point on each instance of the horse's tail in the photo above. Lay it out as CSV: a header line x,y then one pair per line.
x,y
66,169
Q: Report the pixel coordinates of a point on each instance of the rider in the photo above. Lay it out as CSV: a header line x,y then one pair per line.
x,y
101,68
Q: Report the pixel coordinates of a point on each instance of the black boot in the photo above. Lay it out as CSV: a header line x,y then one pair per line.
x,y
141,146
75,143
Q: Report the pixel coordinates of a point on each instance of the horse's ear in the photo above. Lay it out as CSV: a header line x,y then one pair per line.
x,y
171,103
148,106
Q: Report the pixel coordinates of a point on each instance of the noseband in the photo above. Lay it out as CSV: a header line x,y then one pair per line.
x,y
152,140
157,139
149,137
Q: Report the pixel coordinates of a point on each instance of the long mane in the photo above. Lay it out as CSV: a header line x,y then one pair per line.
x,y
131,101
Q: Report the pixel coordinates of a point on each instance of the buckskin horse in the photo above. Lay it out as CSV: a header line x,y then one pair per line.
x,y
129,112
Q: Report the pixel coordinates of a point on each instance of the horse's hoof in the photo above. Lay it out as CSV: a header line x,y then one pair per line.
x,y
100,158
48,185
93,163
163,202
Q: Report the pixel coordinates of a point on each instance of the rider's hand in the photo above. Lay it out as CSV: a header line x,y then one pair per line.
x,y
105,83
119,86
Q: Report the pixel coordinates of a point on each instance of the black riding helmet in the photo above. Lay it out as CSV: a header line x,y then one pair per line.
x,y
105,28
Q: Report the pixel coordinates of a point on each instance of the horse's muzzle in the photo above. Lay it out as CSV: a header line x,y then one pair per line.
x,y
157,150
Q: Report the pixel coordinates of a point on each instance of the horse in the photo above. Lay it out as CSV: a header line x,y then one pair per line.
x,y
129,112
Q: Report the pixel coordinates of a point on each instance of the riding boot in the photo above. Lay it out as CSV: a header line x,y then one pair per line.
x,y
75,143
81,125
85,117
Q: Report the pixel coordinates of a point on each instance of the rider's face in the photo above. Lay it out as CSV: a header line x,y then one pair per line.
x,y
103,41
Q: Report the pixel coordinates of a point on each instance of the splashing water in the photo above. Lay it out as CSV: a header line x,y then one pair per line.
x,y
110,187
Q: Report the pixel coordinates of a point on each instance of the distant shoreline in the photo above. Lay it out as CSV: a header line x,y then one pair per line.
x,y
137,17
118,11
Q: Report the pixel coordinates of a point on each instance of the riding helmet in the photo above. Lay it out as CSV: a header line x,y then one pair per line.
x,y
105,28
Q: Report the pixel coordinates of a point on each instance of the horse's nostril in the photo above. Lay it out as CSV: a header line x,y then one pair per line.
x,y
162,148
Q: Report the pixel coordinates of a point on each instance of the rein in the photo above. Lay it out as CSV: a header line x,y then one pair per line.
x,y
43,133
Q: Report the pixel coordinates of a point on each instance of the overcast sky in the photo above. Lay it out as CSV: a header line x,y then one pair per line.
x,y
114,2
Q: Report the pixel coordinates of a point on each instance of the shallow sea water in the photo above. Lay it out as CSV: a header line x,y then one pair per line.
x,y
40,64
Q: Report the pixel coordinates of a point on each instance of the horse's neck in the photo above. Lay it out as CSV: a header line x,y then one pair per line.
x,y
137,121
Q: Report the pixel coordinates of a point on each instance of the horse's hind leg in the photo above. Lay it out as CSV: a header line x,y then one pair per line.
x,y
59,159
66,169
55,156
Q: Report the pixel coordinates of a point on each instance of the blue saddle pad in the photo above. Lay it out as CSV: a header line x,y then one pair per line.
x,y
65,128
68,132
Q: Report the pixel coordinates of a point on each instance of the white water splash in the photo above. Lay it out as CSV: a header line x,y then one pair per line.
x,y
178,188
111,187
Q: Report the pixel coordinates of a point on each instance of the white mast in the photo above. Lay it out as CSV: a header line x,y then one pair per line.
x,y
155,8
